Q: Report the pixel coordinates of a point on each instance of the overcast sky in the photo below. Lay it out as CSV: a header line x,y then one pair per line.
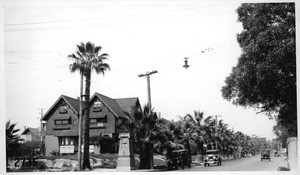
x,y
139,37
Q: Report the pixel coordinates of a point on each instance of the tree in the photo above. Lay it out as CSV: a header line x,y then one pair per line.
x,y
200,126
12,139
265,75
86,59
148,130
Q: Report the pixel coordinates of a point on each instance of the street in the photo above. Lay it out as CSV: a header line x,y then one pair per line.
x,y
245,164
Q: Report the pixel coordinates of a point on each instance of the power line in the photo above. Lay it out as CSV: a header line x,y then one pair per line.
x,y
105,24
108,17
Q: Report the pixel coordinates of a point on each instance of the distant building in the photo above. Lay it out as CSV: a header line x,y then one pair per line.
x,y
30,134
106,118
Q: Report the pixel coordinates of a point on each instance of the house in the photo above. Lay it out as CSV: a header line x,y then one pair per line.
x,y
106,118
30,134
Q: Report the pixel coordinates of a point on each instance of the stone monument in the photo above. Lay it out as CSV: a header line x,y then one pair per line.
x,y
125,160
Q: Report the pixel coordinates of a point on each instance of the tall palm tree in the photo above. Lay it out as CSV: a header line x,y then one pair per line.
x,y
86,59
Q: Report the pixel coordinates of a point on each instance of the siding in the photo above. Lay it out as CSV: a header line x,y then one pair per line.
x,y
109,126
54,114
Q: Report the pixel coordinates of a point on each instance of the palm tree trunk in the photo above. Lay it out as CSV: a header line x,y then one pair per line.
x,y
86,135
151,155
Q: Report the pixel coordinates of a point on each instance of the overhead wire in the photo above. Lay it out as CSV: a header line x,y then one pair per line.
x,y
108,17
42,28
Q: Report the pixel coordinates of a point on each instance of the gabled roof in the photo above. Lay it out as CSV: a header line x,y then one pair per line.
x,y
111,104
34,131
73,103
126,104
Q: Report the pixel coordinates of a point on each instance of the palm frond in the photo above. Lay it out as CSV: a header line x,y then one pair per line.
x,y
97,50
90,48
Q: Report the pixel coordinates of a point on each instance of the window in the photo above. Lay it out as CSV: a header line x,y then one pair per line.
x,y
57,122
96,122
65,122
62,122
97,106
67,141
100,124
93,120
63,108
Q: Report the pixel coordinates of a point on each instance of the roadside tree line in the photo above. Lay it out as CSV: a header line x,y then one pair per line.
x,y
194,132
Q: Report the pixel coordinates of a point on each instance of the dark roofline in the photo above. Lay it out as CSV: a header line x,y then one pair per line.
x,y
67,101
108,106
33,130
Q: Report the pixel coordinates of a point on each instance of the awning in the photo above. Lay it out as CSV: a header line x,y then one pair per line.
x,y
62,117
67,133
98,116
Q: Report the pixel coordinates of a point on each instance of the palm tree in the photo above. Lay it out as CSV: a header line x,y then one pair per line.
x,y
148,130
86,59
12,139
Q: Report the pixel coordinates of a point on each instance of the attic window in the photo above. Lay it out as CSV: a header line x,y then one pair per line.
x,y
63,108
97,106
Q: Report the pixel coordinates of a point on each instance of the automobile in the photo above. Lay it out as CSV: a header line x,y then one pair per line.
x,y
212,158
265,154
179,158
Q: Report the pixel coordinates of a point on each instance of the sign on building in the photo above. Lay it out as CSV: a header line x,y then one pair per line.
x,y
66,149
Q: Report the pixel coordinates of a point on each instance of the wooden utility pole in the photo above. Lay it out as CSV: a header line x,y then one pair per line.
x,y
80,122
42,130
148,85
216,126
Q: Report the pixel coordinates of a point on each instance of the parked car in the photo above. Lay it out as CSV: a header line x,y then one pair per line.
x,y
212,158
179,158
265,154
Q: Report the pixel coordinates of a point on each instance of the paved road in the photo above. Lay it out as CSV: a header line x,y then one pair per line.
x,y
245,164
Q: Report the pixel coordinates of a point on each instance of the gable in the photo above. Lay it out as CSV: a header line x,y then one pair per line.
x,y
30,131
71,102
110,103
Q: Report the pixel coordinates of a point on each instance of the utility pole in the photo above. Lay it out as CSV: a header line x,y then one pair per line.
x,y
42,129
148,85
216,126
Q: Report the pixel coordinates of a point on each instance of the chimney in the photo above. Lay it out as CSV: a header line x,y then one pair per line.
x,y
24,128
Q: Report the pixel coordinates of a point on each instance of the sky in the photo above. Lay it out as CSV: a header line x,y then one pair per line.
x,y
139,37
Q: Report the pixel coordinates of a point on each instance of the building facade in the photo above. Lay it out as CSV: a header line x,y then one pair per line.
x,y
62,124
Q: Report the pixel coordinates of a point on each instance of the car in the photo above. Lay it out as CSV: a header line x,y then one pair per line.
x,y
179,158
212,158
265,154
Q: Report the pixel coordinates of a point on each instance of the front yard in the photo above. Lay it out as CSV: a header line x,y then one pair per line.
x,y
69,163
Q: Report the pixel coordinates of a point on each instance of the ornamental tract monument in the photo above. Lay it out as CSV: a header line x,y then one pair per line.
x,y
125,160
